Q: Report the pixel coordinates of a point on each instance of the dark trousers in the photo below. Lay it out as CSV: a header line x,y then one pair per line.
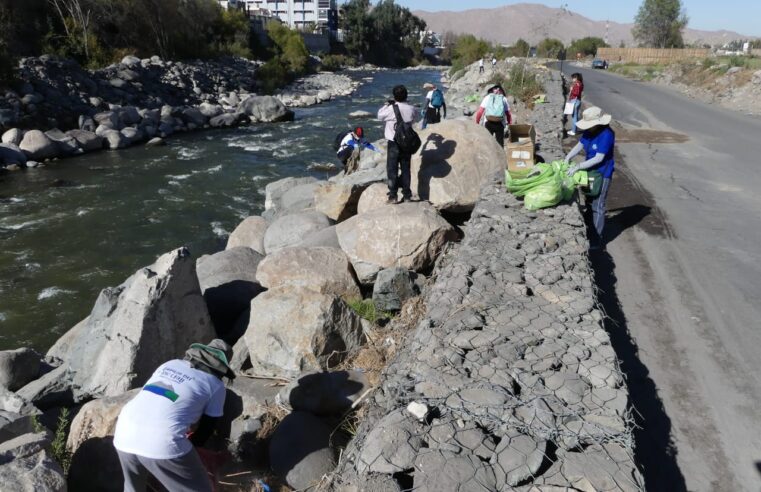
x,y
497,128
433,115
397,161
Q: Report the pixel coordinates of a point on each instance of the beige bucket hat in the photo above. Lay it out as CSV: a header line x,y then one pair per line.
x,y
428,85
593,117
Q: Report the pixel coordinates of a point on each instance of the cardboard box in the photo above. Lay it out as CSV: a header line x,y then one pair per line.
x,y
520,147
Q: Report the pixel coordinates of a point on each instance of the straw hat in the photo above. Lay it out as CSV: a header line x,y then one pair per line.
x,y
428,85
593,117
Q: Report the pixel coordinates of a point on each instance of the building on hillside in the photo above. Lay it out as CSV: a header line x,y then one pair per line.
x,y
313,15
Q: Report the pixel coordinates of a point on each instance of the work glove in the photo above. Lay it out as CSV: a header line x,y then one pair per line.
x,y
573,169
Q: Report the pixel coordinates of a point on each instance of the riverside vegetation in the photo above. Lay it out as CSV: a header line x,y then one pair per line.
x,y
546,408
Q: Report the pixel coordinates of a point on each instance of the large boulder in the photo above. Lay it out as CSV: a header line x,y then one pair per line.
x,y
249,233
265,109
275,190
409,235
228,283
115,139
289,230
455,160
54,389
325,270
292,330
38,146
88,141
325,393
94,462
296,199
300,450
392,287
11,154
247,402
374,197
326,238
13,136
337,200
18,367
26,465
150,318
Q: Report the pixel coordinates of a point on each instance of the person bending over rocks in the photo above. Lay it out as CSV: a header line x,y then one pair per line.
x,y
597,142
350,145
397,160
153,429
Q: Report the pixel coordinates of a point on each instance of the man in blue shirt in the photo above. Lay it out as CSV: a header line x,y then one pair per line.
x,y
597,142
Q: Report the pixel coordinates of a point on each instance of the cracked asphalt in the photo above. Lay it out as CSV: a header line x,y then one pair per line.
x,y
681,281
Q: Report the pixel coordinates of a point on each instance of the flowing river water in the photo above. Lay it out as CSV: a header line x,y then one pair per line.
x,y
78,225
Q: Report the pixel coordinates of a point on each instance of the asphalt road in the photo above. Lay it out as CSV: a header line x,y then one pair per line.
x,y
682,281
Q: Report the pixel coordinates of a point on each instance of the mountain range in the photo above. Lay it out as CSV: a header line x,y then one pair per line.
x,y
534,22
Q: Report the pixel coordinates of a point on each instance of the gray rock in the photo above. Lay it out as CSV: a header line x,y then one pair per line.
x,y
150,318
290,229
26,465
210,110
13,136
109,119
88,141
12,154
131,60
265,109
294,330
67,145
155,142
132,135
391,446
440,470
517,458
324,270
275,190
14,424
128,116
18,367
13,403
115,139
54,389
326,238
249,233
225,120
300,450
194,116
392,287
247,402
297,199
86,123
228,283
38,146
325,393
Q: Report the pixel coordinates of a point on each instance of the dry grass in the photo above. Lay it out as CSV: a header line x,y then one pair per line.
x,y
275,414
383,342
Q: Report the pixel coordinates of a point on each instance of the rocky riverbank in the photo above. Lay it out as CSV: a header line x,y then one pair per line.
x,y
507,367
58,109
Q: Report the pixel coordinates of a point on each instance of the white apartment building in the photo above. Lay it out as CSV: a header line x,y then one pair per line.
x,y
298,14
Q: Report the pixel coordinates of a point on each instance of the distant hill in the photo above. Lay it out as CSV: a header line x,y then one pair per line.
x,y
534,22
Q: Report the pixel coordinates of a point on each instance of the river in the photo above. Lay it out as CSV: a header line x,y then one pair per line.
x,y
78,225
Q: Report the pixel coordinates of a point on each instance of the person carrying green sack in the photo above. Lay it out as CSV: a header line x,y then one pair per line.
x,y
153,432
598,143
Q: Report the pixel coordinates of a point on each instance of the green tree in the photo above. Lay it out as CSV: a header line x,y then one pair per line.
x,y
521,48
659,24
355,23
586,46
549,48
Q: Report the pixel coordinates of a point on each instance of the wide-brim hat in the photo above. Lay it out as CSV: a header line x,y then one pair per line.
x,y
592,117
428,85
215,355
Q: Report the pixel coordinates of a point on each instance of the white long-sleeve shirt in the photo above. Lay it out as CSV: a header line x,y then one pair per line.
x,y
387,115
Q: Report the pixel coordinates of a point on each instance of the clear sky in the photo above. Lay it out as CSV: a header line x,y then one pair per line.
x,y
743,16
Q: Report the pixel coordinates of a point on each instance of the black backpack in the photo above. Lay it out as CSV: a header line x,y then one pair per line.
x,y
339,139
404,135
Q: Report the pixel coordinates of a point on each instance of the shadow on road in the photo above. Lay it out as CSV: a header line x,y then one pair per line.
x,y
655,452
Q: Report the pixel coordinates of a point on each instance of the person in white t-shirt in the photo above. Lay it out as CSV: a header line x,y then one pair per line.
x,y
494,113
153,432
481,65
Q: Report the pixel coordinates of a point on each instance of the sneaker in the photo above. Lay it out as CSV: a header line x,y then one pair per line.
x,y
392,200
572,133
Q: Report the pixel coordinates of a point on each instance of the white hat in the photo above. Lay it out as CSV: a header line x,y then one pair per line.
x,y
593,117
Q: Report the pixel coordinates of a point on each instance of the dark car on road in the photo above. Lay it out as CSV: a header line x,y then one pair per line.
x,y
597,63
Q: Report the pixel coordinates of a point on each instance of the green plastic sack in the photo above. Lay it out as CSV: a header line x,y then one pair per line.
x,y
545,195
472,98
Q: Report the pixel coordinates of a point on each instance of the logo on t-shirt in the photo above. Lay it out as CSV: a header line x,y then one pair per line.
x,y
166,391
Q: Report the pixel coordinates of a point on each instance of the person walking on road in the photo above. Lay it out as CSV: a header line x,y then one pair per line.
x,y
494,113
435,106
598,143
153,429
574,97
397,159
